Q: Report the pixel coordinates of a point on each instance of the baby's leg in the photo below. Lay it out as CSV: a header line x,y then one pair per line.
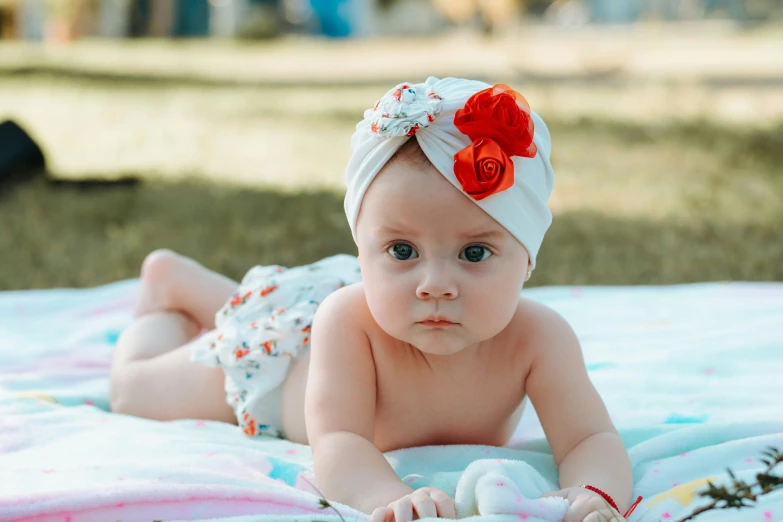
x,y
152,375
292,402
171,282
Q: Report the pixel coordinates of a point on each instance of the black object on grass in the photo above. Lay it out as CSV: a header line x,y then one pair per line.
x,y
20,155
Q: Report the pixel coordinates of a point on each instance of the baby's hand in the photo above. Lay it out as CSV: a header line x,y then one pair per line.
x,y
422,503
586,506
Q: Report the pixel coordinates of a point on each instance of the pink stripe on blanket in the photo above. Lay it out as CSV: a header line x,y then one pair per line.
x,y
126,304
66,364
152,503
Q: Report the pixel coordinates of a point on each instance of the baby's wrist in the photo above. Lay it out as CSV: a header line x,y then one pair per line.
x,y
599,493
382,496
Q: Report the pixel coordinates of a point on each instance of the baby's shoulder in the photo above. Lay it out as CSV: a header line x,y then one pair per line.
x,y
346,306
537,325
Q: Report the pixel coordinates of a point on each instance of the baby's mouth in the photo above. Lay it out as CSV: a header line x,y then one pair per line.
x,y
437,322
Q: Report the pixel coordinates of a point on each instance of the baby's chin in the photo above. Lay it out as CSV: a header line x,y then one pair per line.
x,y
440,343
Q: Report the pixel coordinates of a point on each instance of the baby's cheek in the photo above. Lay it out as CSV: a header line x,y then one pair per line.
x,y
491,309
389,305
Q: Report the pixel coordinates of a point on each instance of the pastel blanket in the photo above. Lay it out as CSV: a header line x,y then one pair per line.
x,y
692,376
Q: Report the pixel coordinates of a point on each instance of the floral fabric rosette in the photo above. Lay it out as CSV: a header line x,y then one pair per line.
x,y
485,140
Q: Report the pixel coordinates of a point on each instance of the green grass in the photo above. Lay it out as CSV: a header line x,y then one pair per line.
x,y
222,169
684,203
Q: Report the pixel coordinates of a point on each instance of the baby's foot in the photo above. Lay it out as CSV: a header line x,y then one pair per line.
x,y
158,279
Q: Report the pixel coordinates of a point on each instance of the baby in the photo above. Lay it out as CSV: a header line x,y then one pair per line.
x,y
421,340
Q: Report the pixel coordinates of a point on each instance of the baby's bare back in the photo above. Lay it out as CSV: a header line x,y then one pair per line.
x,y
476,397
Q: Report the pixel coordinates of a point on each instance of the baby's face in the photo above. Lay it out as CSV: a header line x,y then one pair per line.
x,y
439,273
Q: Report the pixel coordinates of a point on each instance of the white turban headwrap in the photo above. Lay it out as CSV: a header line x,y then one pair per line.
x,y
426,111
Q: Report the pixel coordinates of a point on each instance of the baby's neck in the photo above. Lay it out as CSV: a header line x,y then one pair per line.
x,y
453,364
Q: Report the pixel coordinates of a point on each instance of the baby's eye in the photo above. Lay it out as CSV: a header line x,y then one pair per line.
x,y
402,251
475,253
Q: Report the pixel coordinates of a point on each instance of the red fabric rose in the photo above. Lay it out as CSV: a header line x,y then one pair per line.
x,y
483,169
498,122
501,114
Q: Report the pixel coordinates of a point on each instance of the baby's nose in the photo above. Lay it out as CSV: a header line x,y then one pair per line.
x,y
437,285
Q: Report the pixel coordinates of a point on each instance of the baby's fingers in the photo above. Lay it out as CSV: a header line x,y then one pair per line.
x,y
382,514
604,515
444,503
423,505
403,510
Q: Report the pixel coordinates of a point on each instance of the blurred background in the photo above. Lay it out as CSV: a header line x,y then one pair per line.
x,y
220,129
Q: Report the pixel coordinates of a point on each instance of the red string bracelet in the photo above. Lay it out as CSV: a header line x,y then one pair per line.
x,y
612,502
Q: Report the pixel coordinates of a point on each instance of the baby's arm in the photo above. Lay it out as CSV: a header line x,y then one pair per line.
x,y
584,442
340,408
